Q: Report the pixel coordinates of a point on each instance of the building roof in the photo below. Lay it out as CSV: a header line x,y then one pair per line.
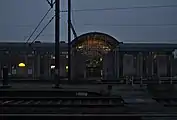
x,y
147,47
63,46
92,35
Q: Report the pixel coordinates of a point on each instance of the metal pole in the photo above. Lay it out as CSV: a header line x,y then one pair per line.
x,y
57,42
69,40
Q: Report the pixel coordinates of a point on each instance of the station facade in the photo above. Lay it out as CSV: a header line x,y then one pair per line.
x,y
94,56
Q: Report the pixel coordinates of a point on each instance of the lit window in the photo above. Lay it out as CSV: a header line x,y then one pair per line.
x,y
105,47
52,66
101,59
14,71
80,47
66,67
52,57
64,53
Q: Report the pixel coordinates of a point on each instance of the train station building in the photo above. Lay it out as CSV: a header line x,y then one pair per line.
x,y
94,56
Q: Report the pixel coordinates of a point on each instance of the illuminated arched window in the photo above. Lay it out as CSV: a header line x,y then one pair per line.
x,y
94,44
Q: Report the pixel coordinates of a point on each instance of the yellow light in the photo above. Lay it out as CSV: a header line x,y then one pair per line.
x,y
80,47
66,67
21,65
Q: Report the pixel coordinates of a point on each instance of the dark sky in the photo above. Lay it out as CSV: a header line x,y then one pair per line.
x,y
19,17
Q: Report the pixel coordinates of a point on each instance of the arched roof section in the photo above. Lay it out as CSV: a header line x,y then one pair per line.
x,y
97,36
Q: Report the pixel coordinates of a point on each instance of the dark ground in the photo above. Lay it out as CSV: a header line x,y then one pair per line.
x,y
139,99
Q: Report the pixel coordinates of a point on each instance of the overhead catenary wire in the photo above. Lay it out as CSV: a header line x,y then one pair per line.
x,y
110,25
42,30
51,6
127,25
73,24
38,24
121,8
102,9
72,17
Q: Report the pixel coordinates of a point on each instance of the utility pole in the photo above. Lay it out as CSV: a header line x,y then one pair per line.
x,y
69,40
57,43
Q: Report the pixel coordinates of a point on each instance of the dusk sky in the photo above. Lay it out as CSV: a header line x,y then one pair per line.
x,y
18,18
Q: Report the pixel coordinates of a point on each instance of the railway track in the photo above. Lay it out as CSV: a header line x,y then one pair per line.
x,y
118,81
61,102
30,107
62,105
167,102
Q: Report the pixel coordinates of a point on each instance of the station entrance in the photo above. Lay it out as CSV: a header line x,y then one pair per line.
x,y
94,68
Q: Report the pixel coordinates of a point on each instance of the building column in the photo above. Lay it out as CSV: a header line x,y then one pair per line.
x,y
33,67
135,64
144,72
162,65
105,67
150,65
49,61
1,62
81,66
62,66
139,64
121,54
73,64
46,67
26,65
0,67
174,63
169,65
155,68
30,67
174,67
116,65
108,65
78,65
37,66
